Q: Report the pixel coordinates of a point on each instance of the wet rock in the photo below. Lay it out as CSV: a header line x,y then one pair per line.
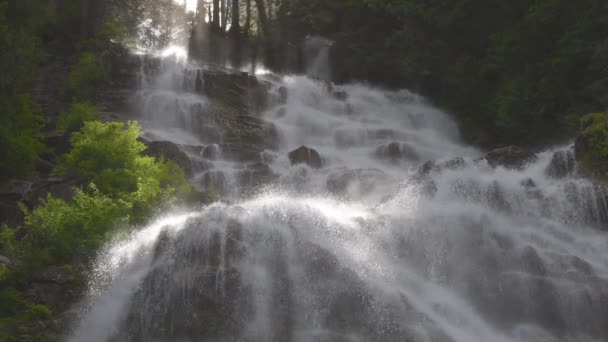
x,y
255,176
454,164
44,166
231,152
511,157
239,91
532,262
562,164
253,132
281,112
340,95
432,166
214,182
198,82
169,151
395,151
59,144
305,155
365,179
426,168
52,274
283,94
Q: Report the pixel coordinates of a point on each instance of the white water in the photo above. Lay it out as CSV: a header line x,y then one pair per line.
x,y
364,248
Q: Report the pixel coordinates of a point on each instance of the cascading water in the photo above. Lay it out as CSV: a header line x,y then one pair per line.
x,y
368,243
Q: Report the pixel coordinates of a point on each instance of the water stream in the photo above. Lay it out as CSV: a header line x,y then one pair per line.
x,y
370,246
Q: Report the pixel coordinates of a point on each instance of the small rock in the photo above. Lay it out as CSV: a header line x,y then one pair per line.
x,y
305,155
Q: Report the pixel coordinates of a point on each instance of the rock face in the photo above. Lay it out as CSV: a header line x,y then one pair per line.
x,y
239,90
305,155
231,152
511,157
562,164
255,176
30,192
169,151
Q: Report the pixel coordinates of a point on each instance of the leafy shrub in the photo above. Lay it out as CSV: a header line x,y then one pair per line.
x,y
592,144
58,231
80,113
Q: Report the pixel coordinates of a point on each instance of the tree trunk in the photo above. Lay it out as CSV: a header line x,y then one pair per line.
x,y
248,19
224,15
235,26
200,11
262,16
215,22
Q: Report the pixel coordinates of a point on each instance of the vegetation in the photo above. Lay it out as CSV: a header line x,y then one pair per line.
x,y
73,120
521,71
116,187
592,144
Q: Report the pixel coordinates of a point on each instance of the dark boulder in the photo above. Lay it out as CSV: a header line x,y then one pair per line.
x,y
58,144
396,151
511,157
169,151
305,155
238,90
215,183
283,94
340,95
255,176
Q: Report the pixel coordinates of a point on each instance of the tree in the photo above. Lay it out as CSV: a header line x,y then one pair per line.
x,y
215,21
224,10
247,18
235,26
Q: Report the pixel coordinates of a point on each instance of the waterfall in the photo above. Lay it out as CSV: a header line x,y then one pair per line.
x,y
398,232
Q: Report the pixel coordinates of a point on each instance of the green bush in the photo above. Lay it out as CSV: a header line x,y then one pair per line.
x,y
58,231
80,113
109,155
592,144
